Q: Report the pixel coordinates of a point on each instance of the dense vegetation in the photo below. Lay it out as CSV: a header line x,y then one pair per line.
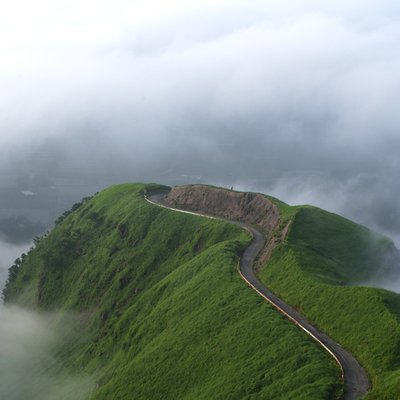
x,y
163,312
318,269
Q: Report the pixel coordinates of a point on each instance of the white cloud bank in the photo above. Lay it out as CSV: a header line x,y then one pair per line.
x,y
28,369
297,98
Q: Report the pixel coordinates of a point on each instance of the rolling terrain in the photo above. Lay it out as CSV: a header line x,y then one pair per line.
x,y
317,263
326,258
162,310
355,380
164,313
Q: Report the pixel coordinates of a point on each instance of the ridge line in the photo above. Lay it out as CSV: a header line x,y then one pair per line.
x,y
355,381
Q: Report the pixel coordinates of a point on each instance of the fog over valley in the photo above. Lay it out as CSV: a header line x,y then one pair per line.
x,y
295,99
28,343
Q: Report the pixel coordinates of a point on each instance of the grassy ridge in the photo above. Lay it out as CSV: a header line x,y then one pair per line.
x,y
324,255
163,310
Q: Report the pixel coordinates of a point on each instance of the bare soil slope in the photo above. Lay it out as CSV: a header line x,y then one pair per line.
x,y
252,208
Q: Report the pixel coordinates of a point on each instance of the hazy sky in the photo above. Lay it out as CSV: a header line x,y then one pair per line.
x,y
294,98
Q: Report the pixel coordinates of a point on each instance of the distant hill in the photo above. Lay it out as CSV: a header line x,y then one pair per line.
x,y
165,315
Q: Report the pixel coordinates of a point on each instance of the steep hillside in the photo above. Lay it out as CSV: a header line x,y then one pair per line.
x,y
163,312
317,269
318,264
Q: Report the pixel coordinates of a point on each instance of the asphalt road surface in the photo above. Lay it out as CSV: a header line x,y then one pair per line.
x,y
355,380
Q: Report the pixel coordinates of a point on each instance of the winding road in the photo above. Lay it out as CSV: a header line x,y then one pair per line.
x,y
355,380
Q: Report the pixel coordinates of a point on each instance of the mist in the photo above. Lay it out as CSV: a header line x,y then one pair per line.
x,y
8,253
388,281
29,344
295,99
28,367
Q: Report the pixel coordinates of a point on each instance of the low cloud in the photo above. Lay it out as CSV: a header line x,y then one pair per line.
x,y
8,253
386,281
388,277
297,99
28,367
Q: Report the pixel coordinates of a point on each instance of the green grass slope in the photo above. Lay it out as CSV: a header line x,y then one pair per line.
x,y
163,311
317,270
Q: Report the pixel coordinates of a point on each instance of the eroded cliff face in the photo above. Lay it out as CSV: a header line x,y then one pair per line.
x,y
251,208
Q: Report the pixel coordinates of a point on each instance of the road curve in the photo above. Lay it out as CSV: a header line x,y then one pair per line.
x,y
355,380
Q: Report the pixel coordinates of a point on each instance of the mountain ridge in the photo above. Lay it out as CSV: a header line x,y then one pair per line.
x,y
114,243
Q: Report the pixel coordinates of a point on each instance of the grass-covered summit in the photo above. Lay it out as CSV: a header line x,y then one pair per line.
x,y
320,269
318,261
163,312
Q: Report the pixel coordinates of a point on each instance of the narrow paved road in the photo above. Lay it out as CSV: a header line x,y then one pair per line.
x,y
356,382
